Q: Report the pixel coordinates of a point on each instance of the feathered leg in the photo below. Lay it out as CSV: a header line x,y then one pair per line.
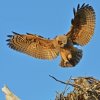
x,y
70,56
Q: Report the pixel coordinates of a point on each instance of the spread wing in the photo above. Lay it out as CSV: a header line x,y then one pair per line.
x,y
33,45
83,25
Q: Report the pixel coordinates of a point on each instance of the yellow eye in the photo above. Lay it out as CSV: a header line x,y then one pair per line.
x,y
60,42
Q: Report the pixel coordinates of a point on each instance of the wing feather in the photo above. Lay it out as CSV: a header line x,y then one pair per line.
x,y
33,45
83,25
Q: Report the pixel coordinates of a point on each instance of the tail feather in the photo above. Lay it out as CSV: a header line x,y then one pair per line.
x,y
76,56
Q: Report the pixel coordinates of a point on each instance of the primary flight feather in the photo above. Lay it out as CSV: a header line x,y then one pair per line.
x,y
80,33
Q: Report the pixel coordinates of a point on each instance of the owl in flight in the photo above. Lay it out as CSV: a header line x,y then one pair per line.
x,y
80,33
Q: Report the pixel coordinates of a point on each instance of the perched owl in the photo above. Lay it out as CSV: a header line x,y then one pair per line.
x,y
80,33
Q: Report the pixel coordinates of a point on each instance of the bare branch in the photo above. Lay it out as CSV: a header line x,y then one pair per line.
x,y
66,83
8,94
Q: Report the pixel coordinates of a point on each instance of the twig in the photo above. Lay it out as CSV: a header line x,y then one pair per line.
x,y
66,83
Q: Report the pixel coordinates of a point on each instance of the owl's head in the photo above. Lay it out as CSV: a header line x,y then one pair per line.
x,y
62,40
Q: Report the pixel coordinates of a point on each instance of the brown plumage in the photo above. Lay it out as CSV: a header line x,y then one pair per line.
x,y
81,31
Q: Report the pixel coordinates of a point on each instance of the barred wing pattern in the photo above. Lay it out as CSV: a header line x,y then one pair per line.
x,y
81,31
33,45
83,25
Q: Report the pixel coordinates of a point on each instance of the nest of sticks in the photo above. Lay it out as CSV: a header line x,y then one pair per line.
x,y
84,88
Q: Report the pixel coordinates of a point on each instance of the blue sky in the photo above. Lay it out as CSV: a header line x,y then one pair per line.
x,y
28,77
